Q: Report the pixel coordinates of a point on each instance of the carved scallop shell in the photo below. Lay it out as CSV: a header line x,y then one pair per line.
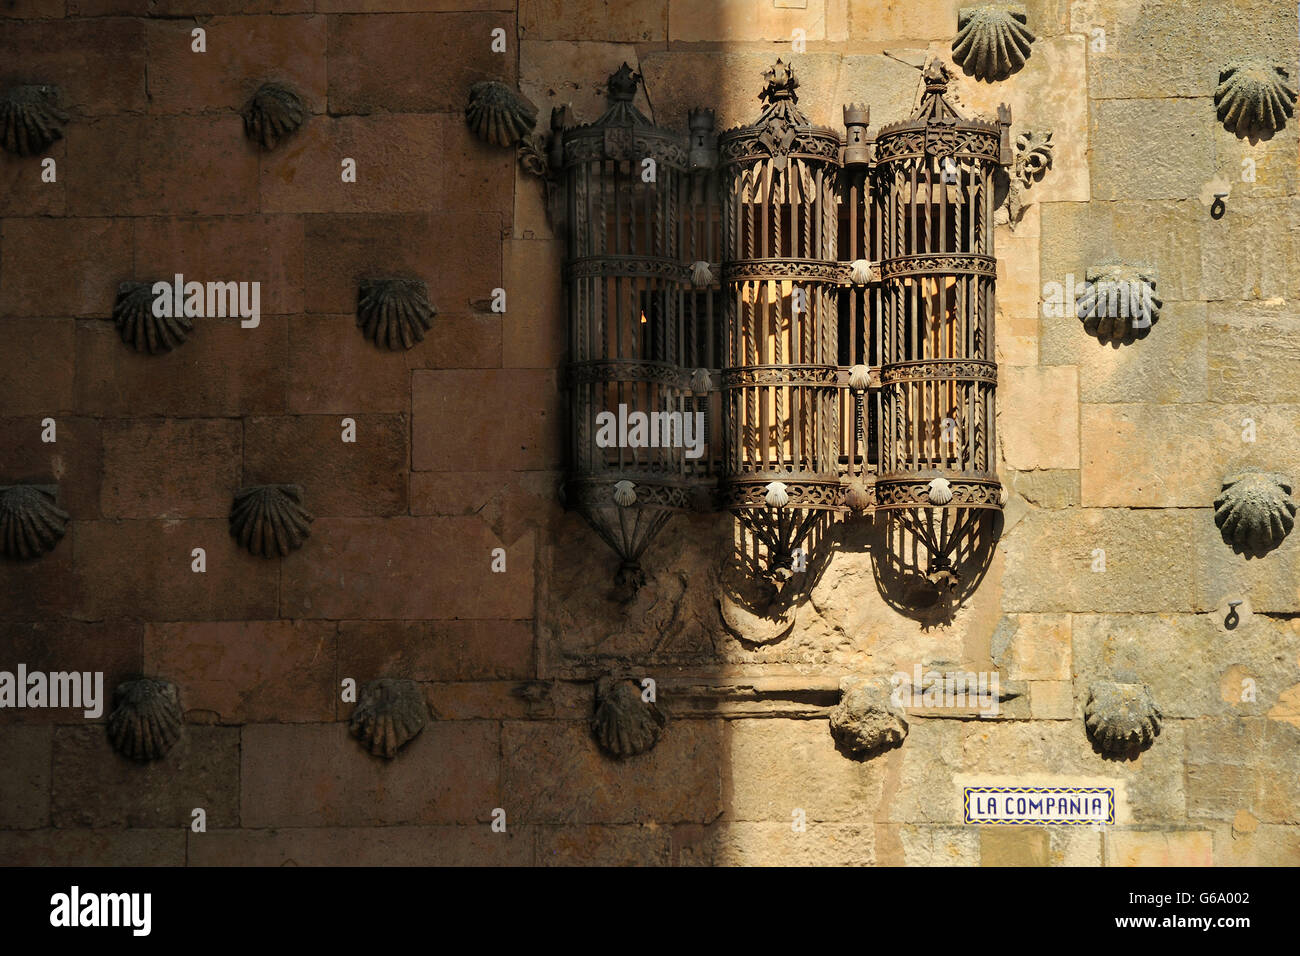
x,y
138,326
1118,304
31,524
498,114
624,493
701,274
1255,511
394,313
1121,718
625,724
866,719
269,520
939,491
146,720
389,713
777,496
1254,98
273,113
701,381
992,40
860,271
30,119
859,378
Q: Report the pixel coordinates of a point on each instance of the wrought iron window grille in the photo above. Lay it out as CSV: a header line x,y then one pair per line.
x,y
820,302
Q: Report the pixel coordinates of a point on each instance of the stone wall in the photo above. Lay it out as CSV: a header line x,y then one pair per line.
x,y
459,451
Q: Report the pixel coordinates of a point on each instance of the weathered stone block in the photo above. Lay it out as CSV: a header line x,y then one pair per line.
x,y
1151,149
1163,48
1272,162
554,772
62,267
473,845
142,570
1241,255
1014,846
1178,455
774,766
25,784
1038,419
1221,791
342,250
23,194
534,332
181,165
365,477
923,20
1263,845
1051,700
100,847
928,845
181,81
1166,367
485,420
929,758
1074,846
263,249
1047,94
740,20
316,775
214,373
344,373
1018,298
98,65
74,462
775,844
1190,682
245,671
1045,489
628,21
603,845
1161,236
1234,740
42,590
400,163
510,502
95,787
1158,848
184,468
1037,650
436,651
1252,347
399,81
378,569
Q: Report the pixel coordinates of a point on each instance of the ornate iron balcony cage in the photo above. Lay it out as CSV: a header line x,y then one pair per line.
x,y
791,324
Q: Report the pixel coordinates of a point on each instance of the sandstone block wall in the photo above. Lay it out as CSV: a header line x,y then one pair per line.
x,y
460,451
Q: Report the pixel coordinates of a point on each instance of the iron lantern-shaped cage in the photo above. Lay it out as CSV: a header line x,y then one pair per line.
x,y
780,383
632,408
934,193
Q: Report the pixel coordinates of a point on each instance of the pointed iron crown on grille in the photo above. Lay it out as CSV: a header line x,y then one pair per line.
x,y
623,83
781,83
